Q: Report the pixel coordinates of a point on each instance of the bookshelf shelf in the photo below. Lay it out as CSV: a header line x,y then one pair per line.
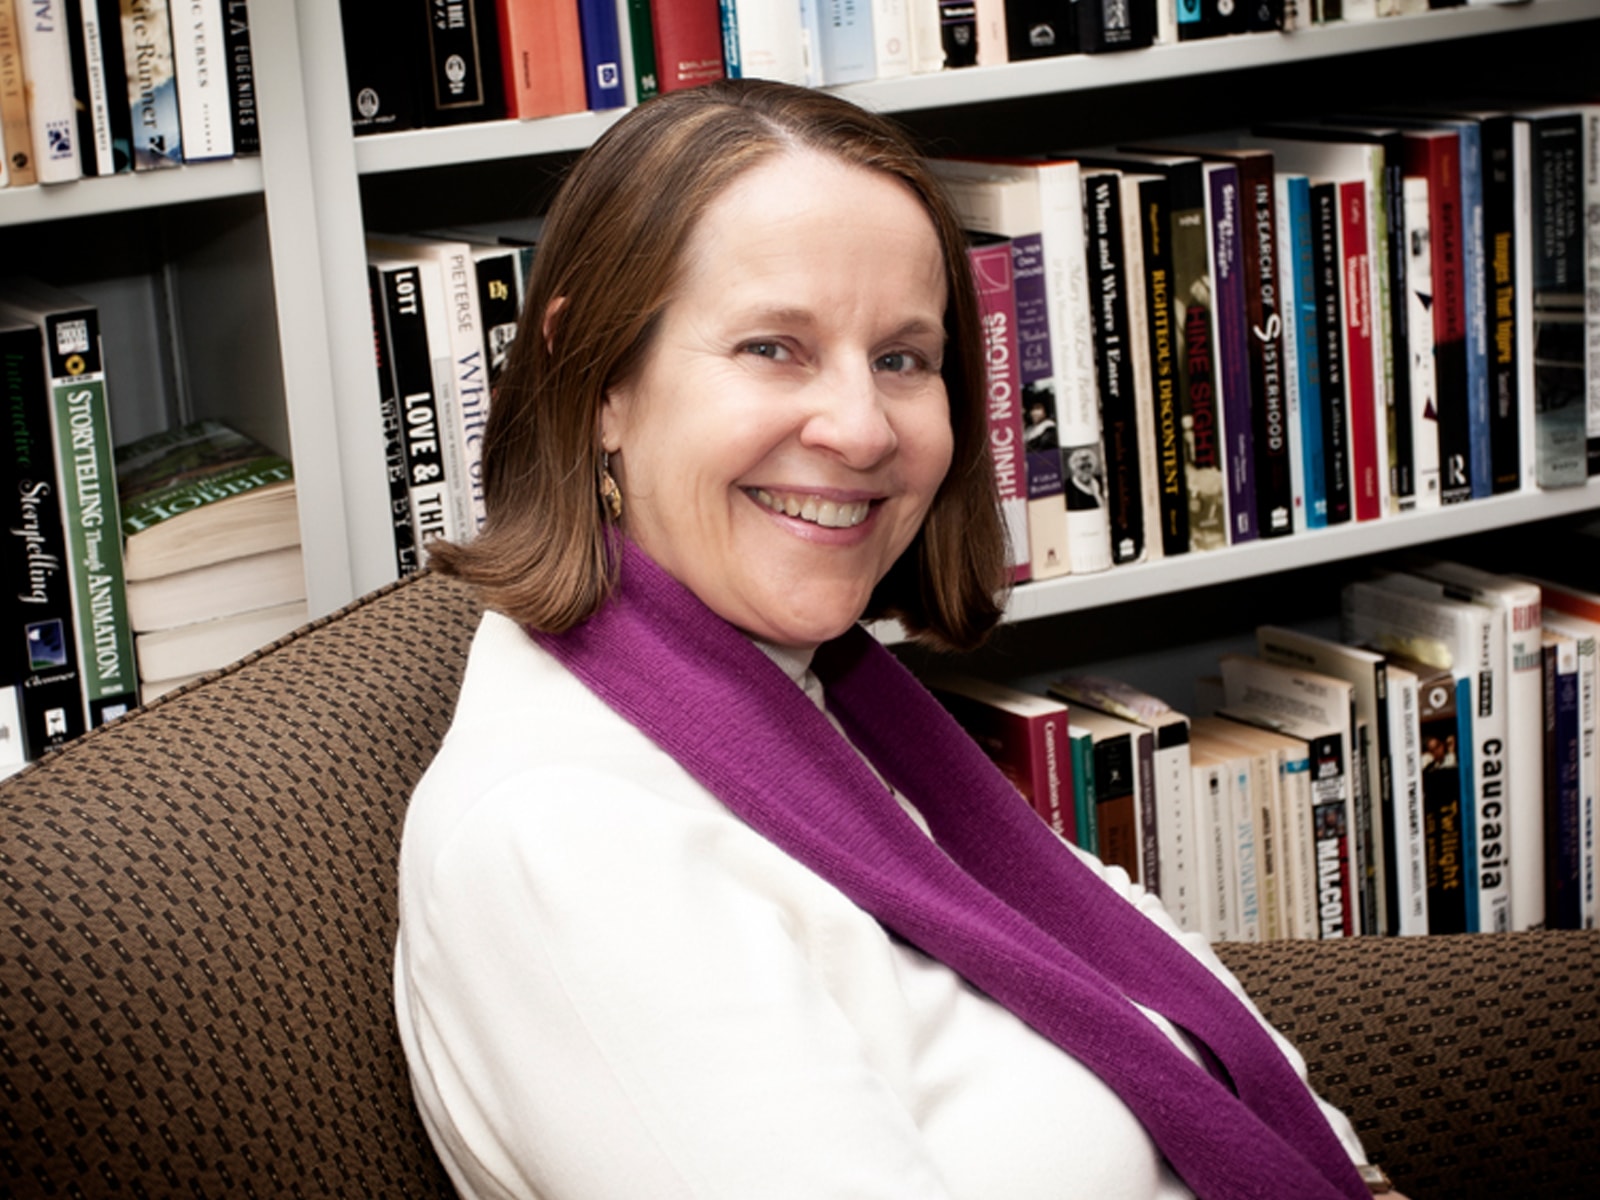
x,y
124,193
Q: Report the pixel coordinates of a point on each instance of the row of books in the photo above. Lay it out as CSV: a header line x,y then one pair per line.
x,y
482,60
1249,334
1431,770
101,87
130,569
444,312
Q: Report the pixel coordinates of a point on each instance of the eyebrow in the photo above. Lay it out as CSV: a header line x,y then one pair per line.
x,y
782,314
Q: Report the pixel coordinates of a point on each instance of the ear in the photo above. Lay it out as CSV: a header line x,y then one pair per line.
x,y
612,419
552,313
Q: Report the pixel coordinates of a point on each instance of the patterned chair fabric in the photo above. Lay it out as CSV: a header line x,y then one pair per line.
x,y
200,909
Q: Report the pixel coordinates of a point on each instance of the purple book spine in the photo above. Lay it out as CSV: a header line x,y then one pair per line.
x,y
1233,347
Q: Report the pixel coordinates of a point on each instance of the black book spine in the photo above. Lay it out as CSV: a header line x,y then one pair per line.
x,y
462,81
958,32
1402,438
77,52
1269,413
383,65
412,369
1155,222
1330,330
241,77
1040,29
1115,24
499,304
1499,287
1113,364
394,448
40,655
114,62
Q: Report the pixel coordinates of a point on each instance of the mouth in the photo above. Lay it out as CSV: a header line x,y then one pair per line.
x,y
830,514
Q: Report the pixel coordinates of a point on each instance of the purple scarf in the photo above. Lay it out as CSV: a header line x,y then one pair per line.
x,y
998,899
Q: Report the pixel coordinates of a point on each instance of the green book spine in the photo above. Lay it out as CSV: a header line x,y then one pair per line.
x,y
1083,795
90,513
643,36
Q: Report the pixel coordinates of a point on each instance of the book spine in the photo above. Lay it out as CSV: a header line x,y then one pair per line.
x,y
1558,321
1248,792
92,513
602,54
1442,167
1263,312
241,77
470,374
1039,29
1138,341
1423,376
1150,875
88,89
958,32
638,50
1500,301
1196,360
1394,326
1116,806
1591,217
1048,552
394,447
688,43
1563,827
1115,25
1441,796
199,58
499,294
47,67
1475,309
1328,289
382,64
462,80
114,72
1330,781
1119,423
40,660
441,336
891,37
1233,352
1589,779
15,135
1365,467
152,84
1308,359
992,274
732,59
411,363
1411,877
847,51
1208,787
1155,225
1085,814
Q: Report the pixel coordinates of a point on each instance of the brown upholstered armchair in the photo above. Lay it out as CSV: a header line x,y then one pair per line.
x,y
199,910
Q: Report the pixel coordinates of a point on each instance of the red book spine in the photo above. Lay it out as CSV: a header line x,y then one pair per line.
x,y
688,42
541,52
1359,372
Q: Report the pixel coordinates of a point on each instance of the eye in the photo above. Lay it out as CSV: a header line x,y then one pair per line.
x,y
776,351
900,362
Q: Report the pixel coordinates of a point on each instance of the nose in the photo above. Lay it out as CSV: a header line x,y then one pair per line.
x,y
849,418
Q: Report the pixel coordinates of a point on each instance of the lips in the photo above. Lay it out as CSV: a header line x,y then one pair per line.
x,y
818,510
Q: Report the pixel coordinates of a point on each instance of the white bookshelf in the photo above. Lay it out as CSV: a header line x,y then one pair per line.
x,y
261,270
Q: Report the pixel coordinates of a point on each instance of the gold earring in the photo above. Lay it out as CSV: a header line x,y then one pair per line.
x,y
610,493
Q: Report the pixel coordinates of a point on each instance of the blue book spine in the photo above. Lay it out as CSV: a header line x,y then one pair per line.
x,y
1233,349
1480,465
728,10
602,54
1310,379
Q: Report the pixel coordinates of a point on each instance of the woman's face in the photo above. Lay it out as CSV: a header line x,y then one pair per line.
x,y
786,434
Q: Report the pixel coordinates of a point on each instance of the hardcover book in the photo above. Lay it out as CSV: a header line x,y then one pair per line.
x,y
461,76
688,42
1123,751
602,54
381,53
541,56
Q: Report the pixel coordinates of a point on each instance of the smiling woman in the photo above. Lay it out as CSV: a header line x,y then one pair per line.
x,y
704,895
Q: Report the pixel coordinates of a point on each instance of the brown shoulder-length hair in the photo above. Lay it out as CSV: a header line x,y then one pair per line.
x,y
607,265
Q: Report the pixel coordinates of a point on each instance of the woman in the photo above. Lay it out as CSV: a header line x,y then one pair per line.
x,y
679,919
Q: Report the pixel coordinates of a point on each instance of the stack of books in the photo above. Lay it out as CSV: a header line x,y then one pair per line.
x,y
102,87
1432,769
212,551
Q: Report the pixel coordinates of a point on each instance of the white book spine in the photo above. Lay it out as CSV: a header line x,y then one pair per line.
x,y
1522,237
1410,851
200,61
891,35
470,375
990,18
97,99
927,45
458,521
1175,833
770,40
1212,804
1299,850
47,63
1246,867
1419,335
1588,780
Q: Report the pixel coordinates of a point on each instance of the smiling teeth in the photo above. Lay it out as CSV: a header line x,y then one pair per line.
x,y
827,513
